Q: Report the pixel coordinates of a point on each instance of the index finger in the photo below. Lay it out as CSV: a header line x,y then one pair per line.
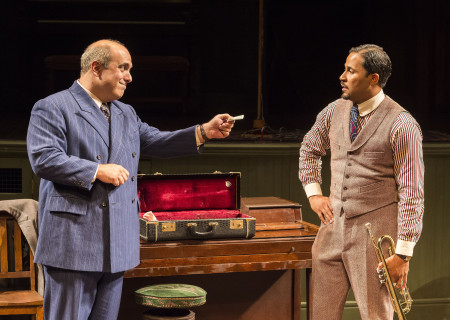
x,y
328,211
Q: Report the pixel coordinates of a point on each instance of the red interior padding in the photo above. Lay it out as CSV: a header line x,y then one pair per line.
x,y
197,214
187,194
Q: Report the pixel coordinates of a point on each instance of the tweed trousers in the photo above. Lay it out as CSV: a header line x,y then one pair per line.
x,y
342,257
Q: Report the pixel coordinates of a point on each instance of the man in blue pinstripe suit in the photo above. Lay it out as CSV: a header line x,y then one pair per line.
x,y
85,145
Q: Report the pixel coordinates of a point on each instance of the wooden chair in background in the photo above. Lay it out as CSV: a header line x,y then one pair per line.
x,y
13,301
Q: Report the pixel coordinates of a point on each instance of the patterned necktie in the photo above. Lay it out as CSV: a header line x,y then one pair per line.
x,y
354,115
105,109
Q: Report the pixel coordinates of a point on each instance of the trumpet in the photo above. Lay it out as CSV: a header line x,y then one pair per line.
x,y
400,298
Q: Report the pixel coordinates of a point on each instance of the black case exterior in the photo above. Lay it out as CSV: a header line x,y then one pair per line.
x,y
153,231
233,227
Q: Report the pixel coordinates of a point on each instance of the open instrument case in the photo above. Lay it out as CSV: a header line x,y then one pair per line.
x,y
192,206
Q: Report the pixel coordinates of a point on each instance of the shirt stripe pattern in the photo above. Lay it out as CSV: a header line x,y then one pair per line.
x,y
406,142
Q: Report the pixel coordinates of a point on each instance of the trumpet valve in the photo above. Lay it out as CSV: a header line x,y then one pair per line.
x,y
381,277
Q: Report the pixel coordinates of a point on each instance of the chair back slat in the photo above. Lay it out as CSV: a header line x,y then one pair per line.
x,y
3,246
17,255
16,299
32,272
17,247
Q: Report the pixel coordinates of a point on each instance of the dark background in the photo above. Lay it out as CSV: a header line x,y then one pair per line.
x,y
193,59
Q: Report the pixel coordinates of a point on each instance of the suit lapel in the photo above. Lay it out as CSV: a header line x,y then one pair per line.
x,y
90,112
116,131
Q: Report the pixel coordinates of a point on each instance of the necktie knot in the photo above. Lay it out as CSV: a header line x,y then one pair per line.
x,y
105,109
353,126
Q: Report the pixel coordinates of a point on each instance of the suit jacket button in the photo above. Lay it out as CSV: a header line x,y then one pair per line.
x,y
132,178
134,154
104,204
132,201
99,157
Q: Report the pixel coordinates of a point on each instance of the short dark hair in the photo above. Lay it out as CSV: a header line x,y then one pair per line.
x,y
376,60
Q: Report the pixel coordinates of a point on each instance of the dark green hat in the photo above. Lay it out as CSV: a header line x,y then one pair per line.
x,y
171,296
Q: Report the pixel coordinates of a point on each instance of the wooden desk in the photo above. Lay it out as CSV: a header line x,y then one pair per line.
x,y
258,278
206,264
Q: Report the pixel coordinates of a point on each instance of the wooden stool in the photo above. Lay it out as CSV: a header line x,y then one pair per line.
x,y
169,301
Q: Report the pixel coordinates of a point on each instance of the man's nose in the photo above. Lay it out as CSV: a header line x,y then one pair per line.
x,y
342,76
128,78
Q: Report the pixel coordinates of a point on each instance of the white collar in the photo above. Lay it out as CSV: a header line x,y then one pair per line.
x,y
97,101
370,105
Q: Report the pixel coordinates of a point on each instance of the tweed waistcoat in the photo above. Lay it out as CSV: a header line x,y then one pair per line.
x,y
362,172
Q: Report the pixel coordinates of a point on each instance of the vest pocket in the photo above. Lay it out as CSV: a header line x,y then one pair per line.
x,y
373,154
371,187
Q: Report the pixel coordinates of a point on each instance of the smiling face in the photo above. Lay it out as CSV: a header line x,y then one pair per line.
x,y
357,85
105,69
113,80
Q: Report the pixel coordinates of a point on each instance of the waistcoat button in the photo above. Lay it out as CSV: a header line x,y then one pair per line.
x,y
99,157
345,188
347,176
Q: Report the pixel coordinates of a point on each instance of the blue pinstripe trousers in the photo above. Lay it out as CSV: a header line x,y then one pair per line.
x,y
81,295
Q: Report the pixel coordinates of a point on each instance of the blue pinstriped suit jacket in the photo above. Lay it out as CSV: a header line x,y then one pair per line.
x,y
83,225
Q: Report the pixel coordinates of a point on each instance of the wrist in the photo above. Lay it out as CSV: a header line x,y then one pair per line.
x,y
403,257
203,133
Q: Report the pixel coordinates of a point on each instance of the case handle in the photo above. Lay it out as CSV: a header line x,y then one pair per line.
x,y
193,226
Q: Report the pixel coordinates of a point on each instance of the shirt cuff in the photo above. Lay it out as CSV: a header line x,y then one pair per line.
x,y
95,175
313,189
405,248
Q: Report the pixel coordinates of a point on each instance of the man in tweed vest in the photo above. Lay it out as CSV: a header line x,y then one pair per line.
x,y
376,176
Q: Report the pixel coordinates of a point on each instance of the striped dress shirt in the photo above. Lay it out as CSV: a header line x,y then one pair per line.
x,y
406,143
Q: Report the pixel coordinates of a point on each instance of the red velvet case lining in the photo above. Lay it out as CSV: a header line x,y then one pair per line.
x,y
196,214
187,199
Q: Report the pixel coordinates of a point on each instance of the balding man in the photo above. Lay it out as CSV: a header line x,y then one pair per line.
x,y
85,145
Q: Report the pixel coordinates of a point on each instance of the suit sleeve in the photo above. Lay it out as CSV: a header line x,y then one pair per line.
x,y
167,144
47,141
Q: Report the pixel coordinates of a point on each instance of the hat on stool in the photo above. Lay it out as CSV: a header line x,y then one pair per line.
x,y
171,296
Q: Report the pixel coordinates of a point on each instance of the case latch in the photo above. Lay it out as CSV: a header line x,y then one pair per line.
x,y
236,224
168,226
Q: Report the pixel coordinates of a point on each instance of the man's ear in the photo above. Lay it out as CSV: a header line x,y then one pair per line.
x,y
374,78
96,68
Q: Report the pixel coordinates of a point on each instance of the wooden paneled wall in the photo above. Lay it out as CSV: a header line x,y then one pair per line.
x,y
270,169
